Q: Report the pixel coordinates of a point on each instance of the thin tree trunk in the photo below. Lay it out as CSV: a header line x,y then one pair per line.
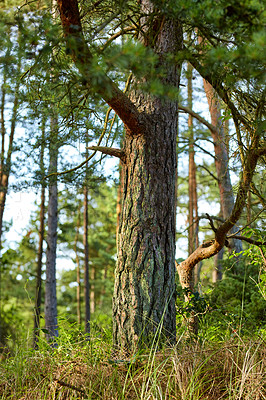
x,y
217,272
92,289
86,250
38,291
51,324
221,160
78,267
50,287
192,321
5,162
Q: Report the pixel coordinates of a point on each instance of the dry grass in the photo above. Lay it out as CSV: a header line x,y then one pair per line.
x,y
189,371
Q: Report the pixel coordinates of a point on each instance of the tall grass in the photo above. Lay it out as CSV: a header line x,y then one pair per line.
x,y
82,369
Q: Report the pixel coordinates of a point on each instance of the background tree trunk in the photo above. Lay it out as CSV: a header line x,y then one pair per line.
x,y
78,267
50,287
192,203
38,291
221,160
86,250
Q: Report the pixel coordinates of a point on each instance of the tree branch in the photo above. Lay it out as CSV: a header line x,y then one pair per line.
x,y
248,240
205,151
187,110
116,35
211,248
99,81
221,91
111,151
209,172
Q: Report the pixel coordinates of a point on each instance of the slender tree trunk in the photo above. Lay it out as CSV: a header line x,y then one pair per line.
x,y
221,160
86,251
5,161
192,321
217,272
38,291
78,267
92,289
50,287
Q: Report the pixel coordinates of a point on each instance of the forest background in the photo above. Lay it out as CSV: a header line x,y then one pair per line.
x,y
57,133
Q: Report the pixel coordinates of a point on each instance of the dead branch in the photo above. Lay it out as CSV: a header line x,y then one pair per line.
x,y
111,151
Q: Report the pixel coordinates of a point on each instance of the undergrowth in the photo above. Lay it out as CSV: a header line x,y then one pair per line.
x,y
87,369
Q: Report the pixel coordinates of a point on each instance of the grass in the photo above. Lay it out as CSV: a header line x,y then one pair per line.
x,y
82,369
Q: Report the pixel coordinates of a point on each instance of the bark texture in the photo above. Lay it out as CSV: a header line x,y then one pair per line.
x,y
144,293
50,286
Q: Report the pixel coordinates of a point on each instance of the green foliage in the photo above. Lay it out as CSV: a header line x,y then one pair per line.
x,y
236,305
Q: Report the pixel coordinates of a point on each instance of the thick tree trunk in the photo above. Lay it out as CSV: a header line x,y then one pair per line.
x,y
144,293
50,287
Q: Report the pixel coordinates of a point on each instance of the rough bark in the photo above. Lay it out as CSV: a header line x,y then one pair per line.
x,y
50,287
144,294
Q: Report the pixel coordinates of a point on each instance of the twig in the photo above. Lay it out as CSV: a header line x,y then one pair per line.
x,y
209,172
244,227
211,223
248,240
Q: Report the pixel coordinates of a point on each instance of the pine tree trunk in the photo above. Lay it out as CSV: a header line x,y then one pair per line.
x,y
86,251
5,161
144,292
50,287
78,267
92,289
38,291
192,321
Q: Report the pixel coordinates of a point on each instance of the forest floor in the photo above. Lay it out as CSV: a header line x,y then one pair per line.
x,y
82,369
